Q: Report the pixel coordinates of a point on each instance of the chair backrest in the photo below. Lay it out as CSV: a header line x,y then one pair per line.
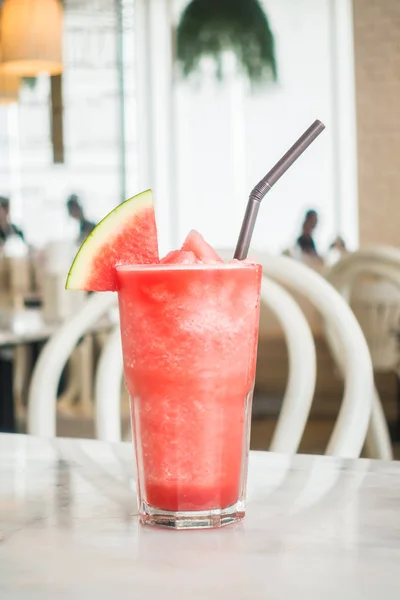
x,y
108,390
46,376
352,424
353,420
369,280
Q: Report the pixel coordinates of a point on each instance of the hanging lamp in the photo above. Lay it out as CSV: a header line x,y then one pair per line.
x,y
31,37
9,88
209,28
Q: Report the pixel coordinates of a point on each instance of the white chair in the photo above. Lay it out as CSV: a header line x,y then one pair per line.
x,y
351,427
42,397
108,390
352,424
43,390
369,280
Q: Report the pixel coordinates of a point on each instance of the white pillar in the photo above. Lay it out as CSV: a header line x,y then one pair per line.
x,y
154,60
344,120
14,162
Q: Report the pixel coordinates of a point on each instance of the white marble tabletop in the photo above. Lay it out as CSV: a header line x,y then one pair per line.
x,y
24,326
316,528
29,325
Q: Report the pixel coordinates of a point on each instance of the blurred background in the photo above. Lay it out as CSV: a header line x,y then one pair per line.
x,y
104,98
120,116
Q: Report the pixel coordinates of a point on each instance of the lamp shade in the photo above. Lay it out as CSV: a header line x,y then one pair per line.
x,y
31,37
9,88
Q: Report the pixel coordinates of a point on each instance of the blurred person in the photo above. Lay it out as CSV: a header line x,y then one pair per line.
x,y
7,228
75,211
338,244
336,251
306,241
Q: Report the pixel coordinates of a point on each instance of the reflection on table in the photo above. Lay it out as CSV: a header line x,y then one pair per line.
x,y
316,527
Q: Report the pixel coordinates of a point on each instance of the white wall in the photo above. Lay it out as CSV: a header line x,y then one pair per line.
x,y
225,138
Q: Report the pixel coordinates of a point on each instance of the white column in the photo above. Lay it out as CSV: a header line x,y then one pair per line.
x,y
236,99
154,62
142,91
344,120
14,162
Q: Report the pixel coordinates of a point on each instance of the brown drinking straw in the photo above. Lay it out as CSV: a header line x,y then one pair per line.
x,y
266,184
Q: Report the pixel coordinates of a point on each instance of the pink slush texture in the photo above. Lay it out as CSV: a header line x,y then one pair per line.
x,y
205,253
189,342
180,257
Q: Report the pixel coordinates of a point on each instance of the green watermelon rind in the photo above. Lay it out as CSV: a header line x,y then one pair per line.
x,y
81,271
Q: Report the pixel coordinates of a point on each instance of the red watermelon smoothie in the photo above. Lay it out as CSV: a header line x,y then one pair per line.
x,y
189,338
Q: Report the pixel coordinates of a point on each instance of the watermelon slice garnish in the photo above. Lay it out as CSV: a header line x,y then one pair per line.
x,y
127,235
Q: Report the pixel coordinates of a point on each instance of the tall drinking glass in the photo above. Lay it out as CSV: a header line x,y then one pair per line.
x,y
189,339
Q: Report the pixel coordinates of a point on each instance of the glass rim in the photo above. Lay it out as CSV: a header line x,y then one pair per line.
x,y
189,267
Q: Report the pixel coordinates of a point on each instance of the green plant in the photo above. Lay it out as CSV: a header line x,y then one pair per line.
x,y
29,82
212,27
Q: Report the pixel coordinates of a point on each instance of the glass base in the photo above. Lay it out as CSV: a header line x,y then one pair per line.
x,y
207,519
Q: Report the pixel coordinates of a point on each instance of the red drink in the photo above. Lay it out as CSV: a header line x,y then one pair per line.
x,y
189,337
